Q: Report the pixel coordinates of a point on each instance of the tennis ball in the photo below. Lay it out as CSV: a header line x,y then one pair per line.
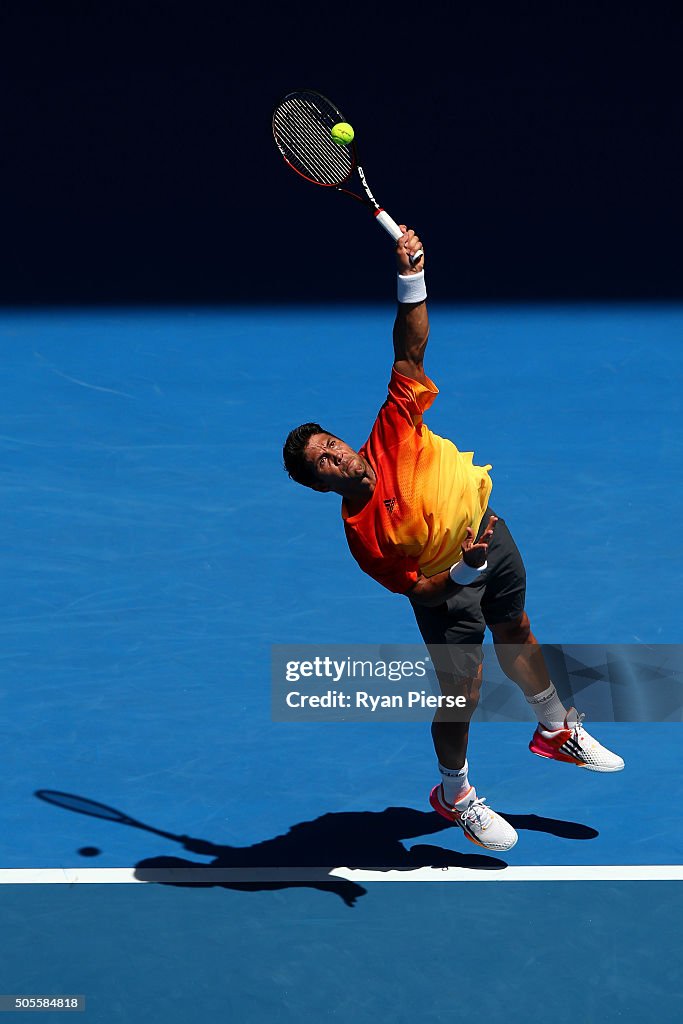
x,y
342,133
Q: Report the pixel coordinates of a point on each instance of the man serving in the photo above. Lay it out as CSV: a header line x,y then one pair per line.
x,y
417,519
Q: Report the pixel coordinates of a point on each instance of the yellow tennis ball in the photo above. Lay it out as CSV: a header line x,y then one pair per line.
x,y
342,133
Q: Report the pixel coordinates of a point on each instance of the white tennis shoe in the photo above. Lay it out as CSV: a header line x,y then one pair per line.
x,y
480,824
574,745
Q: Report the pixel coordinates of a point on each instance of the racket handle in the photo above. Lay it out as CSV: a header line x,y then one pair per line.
x,y
392,228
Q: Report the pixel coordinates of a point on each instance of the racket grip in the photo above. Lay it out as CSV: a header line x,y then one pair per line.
x,y
392,228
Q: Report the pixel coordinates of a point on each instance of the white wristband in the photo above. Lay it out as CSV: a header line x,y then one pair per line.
x,y
411,287
462,573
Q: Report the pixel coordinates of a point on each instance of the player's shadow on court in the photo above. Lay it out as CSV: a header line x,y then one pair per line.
x,y
364,839
307,855
312,849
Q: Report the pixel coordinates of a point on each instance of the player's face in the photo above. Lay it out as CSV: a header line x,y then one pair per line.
x,y
337,467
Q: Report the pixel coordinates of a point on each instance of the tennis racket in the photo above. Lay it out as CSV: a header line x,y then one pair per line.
x,y
302,123
70,802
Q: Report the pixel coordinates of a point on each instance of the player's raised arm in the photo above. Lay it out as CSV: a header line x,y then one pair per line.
x,y
411,329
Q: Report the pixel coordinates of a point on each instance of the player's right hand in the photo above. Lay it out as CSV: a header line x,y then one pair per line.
x,y
407,245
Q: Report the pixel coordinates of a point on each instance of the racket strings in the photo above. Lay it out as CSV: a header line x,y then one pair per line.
x,y
311,150
307,142
301,126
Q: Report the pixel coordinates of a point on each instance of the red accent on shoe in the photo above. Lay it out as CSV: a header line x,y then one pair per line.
x,y
549,746
442,808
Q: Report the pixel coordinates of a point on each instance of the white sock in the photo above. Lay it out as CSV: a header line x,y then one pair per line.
x,y
548,708
455,783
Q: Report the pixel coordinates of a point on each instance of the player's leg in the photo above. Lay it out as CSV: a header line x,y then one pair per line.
x,y
454,633
559,735
517,649
458,668
450,737
520,656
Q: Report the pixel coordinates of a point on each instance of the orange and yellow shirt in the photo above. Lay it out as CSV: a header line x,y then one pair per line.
x,y
427,493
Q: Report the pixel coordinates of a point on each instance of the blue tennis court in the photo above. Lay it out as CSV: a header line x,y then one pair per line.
x,y
154,551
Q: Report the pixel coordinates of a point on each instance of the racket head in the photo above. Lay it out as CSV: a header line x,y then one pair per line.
x,y
302,121
71,802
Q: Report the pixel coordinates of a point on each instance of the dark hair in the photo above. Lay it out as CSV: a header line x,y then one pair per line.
x,y
296,463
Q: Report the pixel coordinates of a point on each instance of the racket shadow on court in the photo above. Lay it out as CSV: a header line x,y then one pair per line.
x,y
309,851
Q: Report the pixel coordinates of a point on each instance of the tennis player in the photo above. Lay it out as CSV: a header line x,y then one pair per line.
x,y
417,519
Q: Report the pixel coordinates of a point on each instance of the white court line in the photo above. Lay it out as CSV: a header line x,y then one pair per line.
x,y
216,876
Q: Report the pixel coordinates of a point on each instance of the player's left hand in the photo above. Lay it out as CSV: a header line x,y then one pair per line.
x,y
474,554
407,245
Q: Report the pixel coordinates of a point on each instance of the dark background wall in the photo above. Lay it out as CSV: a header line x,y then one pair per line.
x,y
536,148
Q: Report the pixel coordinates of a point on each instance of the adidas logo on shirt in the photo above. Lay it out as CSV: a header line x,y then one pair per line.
x,y
390,504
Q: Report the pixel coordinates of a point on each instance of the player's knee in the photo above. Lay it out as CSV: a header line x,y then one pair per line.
x,y
462,697
517,631
458,661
